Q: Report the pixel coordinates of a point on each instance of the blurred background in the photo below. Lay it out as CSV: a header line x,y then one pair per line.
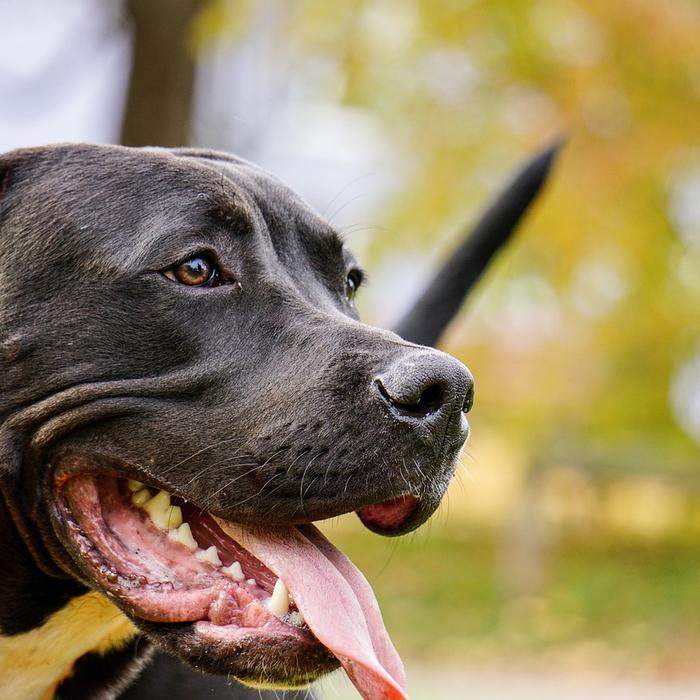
x,y
566,559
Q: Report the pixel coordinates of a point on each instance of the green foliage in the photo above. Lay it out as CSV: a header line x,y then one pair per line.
x,y
583,322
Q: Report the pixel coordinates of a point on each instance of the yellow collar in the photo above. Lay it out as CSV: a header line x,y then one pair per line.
x,y
34,663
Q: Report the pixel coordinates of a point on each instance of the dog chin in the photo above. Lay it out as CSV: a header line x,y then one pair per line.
x,y
253,658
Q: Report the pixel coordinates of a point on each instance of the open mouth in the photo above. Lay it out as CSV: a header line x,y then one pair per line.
x,y
284,599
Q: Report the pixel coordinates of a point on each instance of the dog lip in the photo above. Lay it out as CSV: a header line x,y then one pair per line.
x,y
389,517
72,464
399,515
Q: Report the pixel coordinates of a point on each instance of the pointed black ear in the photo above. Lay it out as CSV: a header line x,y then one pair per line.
x,y
427,319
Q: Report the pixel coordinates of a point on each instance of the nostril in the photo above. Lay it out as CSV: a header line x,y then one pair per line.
x,y
430,401
420,404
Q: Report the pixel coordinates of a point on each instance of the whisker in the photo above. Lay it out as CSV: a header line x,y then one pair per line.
x,y
232,481
342,191
344,206
302,493
218,466
198,452
260,490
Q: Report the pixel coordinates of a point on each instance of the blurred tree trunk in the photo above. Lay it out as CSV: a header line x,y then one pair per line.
x,y
161,86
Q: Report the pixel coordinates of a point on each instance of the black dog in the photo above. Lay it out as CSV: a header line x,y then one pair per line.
x,y
181,319
34,589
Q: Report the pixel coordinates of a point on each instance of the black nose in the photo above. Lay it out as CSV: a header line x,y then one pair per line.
x,y
426,385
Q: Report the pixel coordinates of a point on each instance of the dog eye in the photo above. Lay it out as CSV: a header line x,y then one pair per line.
x,y
196,271
352,283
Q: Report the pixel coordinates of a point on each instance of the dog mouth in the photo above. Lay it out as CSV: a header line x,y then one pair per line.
x,y
278,606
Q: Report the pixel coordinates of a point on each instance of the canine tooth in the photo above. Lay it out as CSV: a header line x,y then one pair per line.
x,y
251,581
160,500
234,571
210,554
161,511
183,534
138,498
134,485
278,602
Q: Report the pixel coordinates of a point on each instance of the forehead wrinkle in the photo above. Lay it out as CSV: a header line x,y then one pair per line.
x,y
288,225
162,236
327,242
217,211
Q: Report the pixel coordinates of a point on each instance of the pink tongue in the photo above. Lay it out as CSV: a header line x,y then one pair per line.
x,y
335,600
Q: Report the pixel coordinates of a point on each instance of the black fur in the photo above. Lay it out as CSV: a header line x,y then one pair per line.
x,y
103,677
168,678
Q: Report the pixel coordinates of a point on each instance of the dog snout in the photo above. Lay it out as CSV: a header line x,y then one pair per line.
x,y
426,386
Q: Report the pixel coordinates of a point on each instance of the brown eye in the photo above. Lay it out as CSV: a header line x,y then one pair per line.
x,y
194,272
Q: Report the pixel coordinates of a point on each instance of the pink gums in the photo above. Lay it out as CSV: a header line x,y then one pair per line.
x,y
160,578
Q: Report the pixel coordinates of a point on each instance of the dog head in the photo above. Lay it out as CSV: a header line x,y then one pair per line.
x,y
187,386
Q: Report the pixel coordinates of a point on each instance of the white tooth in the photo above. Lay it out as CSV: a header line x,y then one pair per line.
x,y
234,571
211,555
140,497
183,534
134,485
278,602
160,510
251,582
